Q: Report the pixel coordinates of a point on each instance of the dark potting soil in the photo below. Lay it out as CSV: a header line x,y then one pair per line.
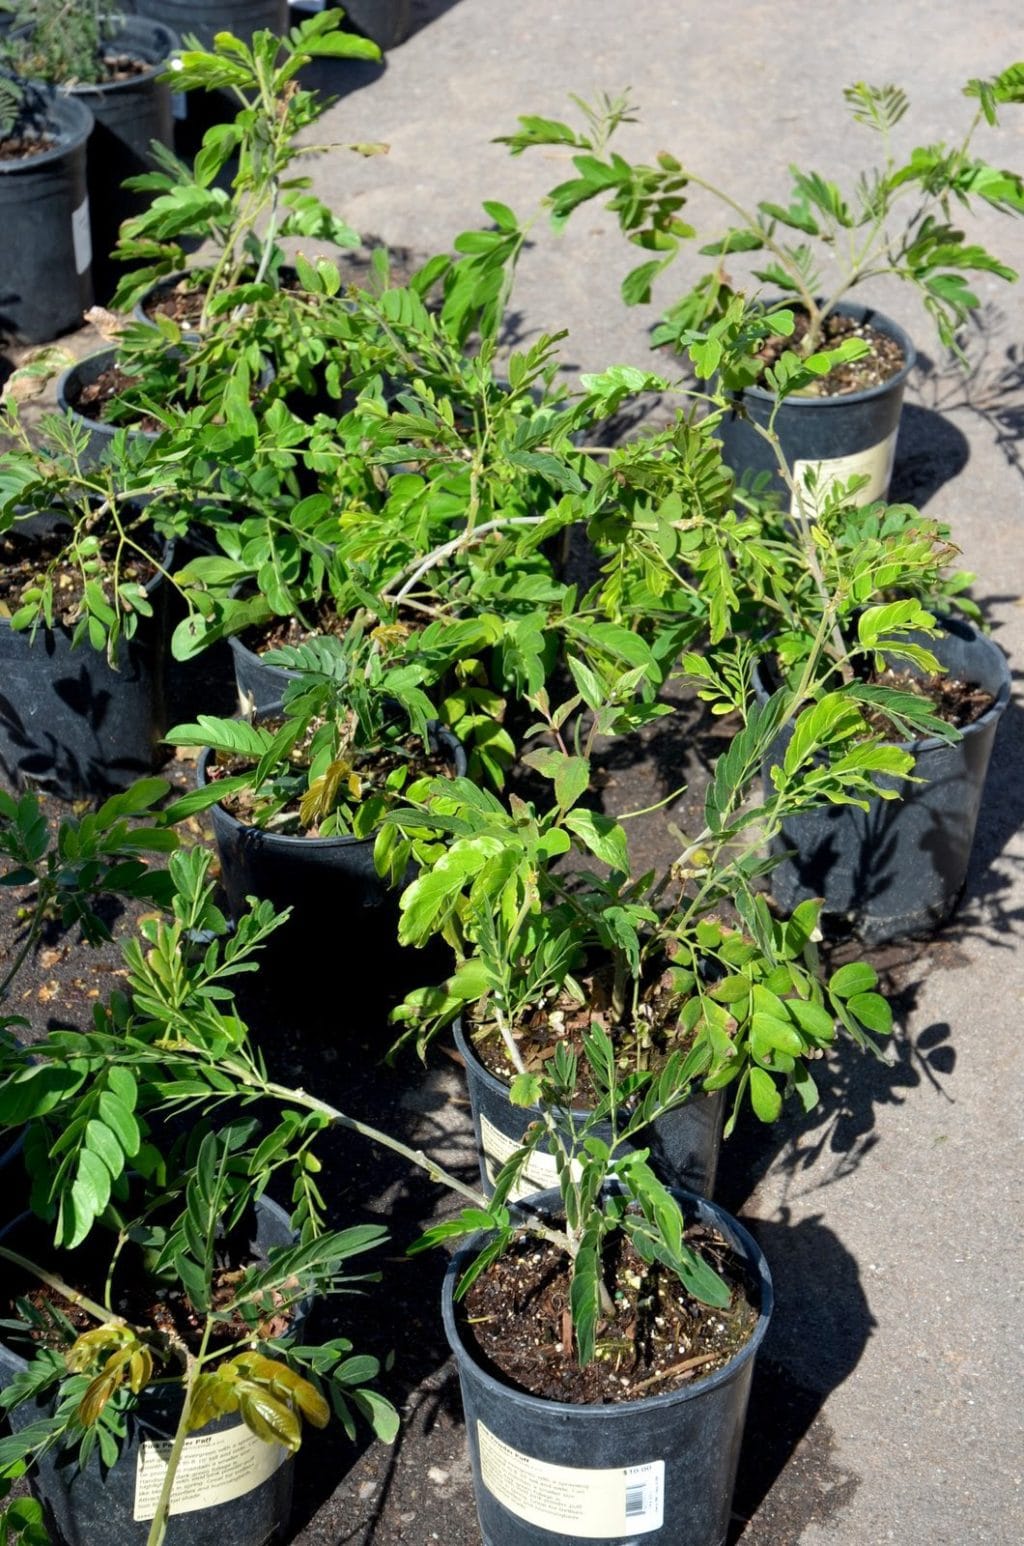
x,y
885,360
959,703
95,400
183,301
23,146
320,618
659,1338
140,1302
111,67
121,67
24,563
370,768
643,1043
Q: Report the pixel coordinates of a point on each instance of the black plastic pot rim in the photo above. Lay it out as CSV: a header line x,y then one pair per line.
x,y
995,708
156,61
68,118
604,1412
875,319
69,377
164,563
238,646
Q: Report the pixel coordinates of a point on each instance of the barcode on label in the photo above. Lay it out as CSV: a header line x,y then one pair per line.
x,y
644,1504
636,1501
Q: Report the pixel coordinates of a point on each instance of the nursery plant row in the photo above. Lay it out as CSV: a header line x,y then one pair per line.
x,y
446,583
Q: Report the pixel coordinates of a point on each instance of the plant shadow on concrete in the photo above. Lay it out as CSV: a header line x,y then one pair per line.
x,y
788,1479
991,389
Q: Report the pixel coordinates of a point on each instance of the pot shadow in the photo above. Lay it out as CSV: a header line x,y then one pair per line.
x,y
989,910
814,1343
423,12
853,1086
930,451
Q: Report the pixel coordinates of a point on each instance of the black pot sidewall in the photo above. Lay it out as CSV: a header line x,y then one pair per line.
x,y
901,866
696,1432
129,116
205,18
70,722
97,1505
342,910
44,209
684,1145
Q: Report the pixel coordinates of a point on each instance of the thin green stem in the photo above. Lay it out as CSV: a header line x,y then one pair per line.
x,y
158,1528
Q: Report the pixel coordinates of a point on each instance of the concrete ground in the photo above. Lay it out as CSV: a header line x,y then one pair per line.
x,y
888,1404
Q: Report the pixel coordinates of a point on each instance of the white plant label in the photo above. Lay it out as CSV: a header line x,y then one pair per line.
x,y
539,1174
875,462
81,236
179,105
214,1468
591,1505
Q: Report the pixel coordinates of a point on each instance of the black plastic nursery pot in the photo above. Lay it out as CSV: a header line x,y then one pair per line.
x,y
130,115
72,723
260,686
900,867
387,22
232,1488
836,437
70,385
204,18
660,1470
684,1144
46,281
343,912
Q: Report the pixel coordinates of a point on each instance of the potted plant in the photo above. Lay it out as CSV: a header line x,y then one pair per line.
x,y
179,1038
242,345
82,634
872,583
113,64
899,868
547,953
266,200
896,222
45,209
829,599
297,797
137,1201
88,857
